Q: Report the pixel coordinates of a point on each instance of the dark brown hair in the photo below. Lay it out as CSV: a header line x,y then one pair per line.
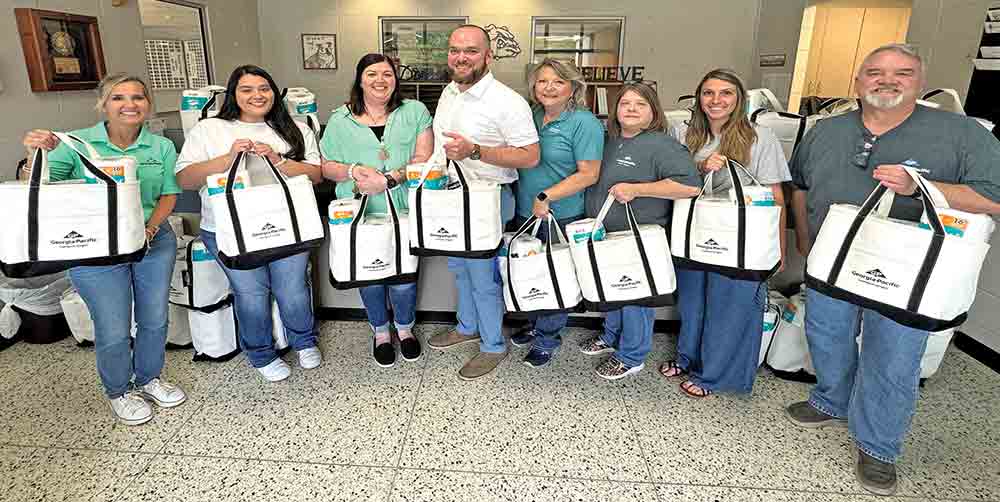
x,y
357,102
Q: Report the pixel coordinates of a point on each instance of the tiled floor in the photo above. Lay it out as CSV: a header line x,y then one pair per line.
x,y
355,432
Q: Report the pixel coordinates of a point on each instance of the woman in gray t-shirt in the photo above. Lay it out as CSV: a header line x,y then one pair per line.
x,y
721,317
646,168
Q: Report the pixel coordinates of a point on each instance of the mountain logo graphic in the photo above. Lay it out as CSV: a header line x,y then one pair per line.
x,y
876,273
378,262
73,235
711,242
625,278
266,227
533,291
442,230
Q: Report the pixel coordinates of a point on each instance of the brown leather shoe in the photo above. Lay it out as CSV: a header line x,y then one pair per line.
x,y
481,364
450,339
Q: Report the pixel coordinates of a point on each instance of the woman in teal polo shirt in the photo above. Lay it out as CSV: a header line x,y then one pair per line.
x,y
110,291
366,146
572,144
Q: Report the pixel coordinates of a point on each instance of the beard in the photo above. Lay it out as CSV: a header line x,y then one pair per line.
x,y
884,102
474,75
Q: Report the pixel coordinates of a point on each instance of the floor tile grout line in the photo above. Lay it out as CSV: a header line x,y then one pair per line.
x,y
167,441
490,473
409,423
635,434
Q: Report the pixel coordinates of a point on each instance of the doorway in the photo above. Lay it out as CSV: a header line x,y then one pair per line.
x,y
835,37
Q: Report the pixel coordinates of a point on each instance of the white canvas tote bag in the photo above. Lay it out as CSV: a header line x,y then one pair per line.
x,y
53,226
214,334
262,223
198,283
729,235
631,267
463,221
200,104
541,283
924,278
790,128
372,249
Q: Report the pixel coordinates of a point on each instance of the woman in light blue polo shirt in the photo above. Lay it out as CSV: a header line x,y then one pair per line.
x,y
572,146
110,291
367,144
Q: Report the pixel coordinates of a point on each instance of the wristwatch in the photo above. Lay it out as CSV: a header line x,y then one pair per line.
x,y
542,196
476,153
390,182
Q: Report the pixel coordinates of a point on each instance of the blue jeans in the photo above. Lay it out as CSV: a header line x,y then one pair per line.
x,y
108,292
630,331
404,305
252,289
721,329
875,391
547,327
480,293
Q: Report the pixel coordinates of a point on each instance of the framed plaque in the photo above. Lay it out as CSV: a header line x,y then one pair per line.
x,y
61,51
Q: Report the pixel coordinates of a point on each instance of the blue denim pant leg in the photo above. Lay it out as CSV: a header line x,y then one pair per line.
x,y
480,293
292,290
252,299
151,288
630,331
108,293
831,328
691,301
886,388
402,297
731,338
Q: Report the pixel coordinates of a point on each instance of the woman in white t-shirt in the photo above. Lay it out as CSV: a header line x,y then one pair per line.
x,y
253,118
721,317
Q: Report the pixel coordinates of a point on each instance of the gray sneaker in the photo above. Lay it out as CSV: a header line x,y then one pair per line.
x,y
875,475
481,364
805,415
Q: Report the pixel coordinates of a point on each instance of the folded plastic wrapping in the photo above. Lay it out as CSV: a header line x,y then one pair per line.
x,y
39,295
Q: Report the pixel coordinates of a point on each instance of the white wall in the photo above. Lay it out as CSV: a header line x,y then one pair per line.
x,y
665,36
234,41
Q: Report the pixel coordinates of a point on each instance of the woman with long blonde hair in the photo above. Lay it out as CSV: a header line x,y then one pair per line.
x,y
721,317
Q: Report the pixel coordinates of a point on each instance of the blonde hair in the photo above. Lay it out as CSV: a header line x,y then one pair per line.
x,y
659,122
567,71
108,84
737,135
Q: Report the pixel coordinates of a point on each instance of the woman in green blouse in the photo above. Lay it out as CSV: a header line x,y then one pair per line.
x,y
367,144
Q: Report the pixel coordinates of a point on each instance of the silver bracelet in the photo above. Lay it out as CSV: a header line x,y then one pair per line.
x,y
350,170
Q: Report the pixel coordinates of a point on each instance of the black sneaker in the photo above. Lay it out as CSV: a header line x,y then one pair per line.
x,y
385,354
537,358
409,348
805,415
875,475
523,337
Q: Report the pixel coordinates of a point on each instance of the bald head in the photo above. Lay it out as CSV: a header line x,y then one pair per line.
x,y
479,30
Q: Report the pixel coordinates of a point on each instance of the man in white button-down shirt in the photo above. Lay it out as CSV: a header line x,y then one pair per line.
x,y
489,128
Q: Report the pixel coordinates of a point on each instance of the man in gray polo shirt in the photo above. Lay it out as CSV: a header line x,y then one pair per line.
x,y
842,160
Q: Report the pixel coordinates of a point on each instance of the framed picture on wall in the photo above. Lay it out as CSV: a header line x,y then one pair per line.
x,y
319,51
62,52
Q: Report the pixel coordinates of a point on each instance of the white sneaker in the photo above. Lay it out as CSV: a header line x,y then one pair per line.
x,y
276,371
310,358
131,409
162,393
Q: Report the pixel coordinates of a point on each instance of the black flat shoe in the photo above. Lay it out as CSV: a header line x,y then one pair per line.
x,y
409,348
385,354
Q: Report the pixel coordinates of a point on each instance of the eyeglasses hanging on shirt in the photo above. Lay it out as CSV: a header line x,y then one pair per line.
x,y
865,147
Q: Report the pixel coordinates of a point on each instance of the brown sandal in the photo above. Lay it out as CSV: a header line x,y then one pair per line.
x,y
670,369
692,390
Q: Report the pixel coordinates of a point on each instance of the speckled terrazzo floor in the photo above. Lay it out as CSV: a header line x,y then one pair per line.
x,y
353,431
